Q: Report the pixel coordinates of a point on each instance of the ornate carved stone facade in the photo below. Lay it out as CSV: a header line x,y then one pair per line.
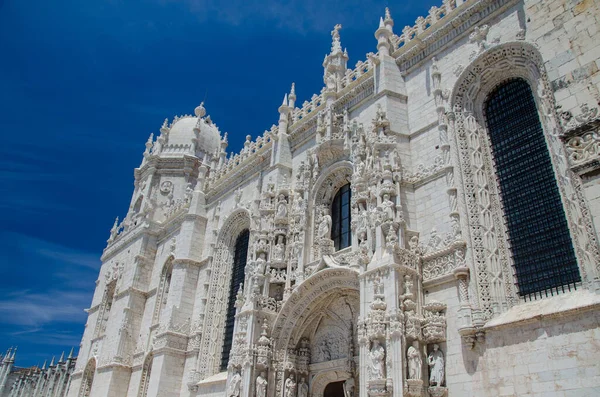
x,y
422,300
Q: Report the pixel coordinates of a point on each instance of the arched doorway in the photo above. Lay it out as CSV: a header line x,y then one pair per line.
x,y
320,318
334,389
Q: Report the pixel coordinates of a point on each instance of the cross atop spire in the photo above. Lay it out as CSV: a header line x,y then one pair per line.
x,y
336,44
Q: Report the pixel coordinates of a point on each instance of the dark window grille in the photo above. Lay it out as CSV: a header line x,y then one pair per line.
x,y
237,277
538,233
340,218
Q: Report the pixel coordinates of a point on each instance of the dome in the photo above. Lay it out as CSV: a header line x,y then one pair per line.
x,y
182,133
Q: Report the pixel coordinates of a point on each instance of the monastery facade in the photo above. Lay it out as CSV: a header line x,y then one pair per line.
x,y
426,225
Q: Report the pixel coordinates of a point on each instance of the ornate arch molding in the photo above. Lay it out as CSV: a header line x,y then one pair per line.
x,y
326,186
321,380
87,379
216,306
331,179
162,287
492,264
296,310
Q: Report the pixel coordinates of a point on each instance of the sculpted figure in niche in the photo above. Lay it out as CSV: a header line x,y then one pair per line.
x,y
389,208
278,249
377,356
414,363
349,387
325,226
261,263
261,385
413,243
436,364
302,388
282,207
235,385
290,386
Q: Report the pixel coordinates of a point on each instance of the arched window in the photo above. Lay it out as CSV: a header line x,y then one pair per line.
x,y
539,237
340,218
237,277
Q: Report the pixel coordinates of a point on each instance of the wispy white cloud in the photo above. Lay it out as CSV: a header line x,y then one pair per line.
x,y
35,309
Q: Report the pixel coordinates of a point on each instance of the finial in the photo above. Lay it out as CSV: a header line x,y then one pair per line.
x,y
52,362
62,357
44,366
200,111
285,100
381,25
387,13
225,138
336,45
71,352
293,91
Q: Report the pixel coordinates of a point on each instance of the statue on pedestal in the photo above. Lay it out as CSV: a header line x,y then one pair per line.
x,y
436,362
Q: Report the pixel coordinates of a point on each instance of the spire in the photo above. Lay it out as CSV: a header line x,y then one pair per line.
x,y
388,21
71,353
14,353
62,357
52,362
44,366
292,96
383,34
335,66
336,43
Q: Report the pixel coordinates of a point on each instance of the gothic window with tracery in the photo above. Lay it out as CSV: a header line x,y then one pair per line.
x,y
538,233
340,218
237,277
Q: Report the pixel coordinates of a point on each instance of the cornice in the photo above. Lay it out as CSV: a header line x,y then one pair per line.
x,y
447,31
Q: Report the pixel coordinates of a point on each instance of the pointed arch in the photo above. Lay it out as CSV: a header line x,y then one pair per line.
x,y
218,291
106,306
477,180
145,378
330,181
88,378
163,288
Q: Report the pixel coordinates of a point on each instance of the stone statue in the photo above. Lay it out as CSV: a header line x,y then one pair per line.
x,y
281,207
302,388
235,385
290,386
414,363
260,263
325,226
413,243
389,208
261,385
349,387
436,362
377,356
323,353
278,249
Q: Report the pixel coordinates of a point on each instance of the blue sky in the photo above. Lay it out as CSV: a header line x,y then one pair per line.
x,y
83,84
